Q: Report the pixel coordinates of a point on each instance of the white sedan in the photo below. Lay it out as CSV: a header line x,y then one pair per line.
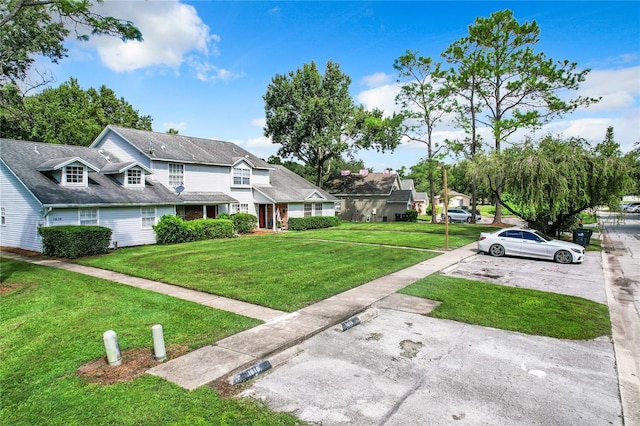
x,y
529,243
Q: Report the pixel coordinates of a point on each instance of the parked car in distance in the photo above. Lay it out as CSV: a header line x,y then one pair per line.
x,y
529,243
468,208
459,215
633,207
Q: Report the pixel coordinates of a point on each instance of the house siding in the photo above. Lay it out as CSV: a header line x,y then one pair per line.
x,y
122,149
357,209
201,178
23,214
126,225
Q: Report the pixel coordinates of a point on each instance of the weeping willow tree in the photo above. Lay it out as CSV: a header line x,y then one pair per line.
x,y
549,182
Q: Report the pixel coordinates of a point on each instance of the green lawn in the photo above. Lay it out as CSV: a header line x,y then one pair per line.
x,y
402,234
51,323
268,270
511,308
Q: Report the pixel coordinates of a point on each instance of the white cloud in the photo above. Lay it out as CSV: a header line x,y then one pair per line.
x,y
260,141
205,71
376,80
170,29
618,88
259,122
382,97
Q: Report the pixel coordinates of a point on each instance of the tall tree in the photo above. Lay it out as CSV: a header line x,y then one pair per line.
x,y
550,182
424,100
39,27
73,116
519,88
33,28
462,81
315,120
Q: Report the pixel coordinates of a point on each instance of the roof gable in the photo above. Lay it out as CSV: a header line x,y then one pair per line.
x,y
118,168
373,184
183,149
60,163
286,186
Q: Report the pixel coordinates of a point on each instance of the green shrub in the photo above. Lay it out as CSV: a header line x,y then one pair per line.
x,y
244,223
224,216
312,222
216,228
170,230
412,215
75,240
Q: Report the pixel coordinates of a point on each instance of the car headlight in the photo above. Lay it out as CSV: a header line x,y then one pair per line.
x,y
579,251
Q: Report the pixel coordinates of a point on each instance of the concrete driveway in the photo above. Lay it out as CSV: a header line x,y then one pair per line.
x,y
403,368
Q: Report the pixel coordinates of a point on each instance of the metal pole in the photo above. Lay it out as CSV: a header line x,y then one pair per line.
x,y
446,207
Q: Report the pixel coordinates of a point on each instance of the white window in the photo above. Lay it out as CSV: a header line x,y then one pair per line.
x,y
308,209
176,175
88,216
134,177
317,209
148,217
181,212
239,208
241,176
3,216
74,176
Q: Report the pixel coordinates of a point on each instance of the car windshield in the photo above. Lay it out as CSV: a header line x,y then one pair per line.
x,y
543,236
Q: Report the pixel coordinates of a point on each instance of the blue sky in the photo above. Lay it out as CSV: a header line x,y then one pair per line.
x,y
204,66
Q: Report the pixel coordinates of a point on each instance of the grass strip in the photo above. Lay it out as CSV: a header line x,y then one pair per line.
x,y
511,308
51,323
267,270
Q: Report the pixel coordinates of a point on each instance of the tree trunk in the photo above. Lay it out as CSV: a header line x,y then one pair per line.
x,y
434,214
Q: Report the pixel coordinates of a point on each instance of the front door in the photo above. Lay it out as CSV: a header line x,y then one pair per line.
x,y
262,212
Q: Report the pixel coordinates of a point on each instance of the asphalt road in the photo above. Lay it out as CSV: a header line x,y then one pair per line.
x,y
402,368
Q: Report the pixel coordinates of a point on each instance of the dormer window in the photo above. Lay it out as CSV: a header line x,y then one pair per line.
x,y
75,176
130,174
241,176
134,177
68,171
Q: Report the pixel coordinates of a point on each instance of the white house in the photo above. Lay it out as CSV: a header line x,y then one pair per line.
x,y
127,179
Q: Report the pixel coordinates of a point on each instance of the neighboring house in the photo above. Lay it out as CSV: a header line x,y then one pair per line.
x,y
420,202
128,179
456,199
370,196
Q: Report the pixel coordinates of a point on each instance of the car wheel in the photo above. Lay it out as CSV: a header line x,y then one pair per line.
x,y
563,256
450,221
496,250
468,220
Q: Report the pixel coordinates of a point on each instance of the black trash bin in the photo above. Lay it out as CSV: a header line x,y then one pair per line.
x,y
384,218
582,236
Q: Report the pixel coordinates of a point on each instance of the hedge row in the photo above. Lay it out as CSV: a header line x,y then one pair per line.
x,y
312,222
172,229
73,241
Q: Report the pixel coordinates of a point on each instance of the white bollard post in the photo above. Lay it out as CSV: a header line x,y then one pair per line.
x,y
159,351
112,348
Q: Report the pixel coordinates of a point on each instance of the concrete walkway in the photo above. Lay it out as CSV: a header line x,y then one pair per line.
x,y
280,331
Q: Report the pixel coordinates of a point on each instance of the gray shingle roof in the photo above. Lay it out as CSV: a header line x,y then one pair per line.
x,y
23,159
186,149
400,196
288,187
380,184
206,197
